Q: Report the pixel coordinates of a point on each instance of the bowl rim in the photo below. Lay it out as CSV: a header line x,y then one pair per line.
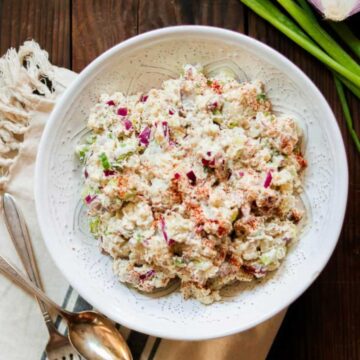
x,y
66,99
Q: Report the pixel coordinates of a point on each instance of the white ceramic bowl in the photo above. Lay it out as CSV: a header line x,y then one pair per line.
x,y
144,62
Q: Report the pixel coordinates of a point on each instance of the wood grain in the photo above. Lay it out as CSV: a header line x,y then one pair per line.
x,y
155,14
324,323
47,21
99,25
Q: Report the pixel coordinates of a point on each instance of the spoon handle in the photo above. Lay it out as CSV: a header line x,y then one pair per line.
x,y
14,274
16,225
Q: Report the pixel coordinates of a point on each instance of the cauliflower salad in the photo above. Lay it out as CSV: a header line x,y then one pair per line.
x,y
196,181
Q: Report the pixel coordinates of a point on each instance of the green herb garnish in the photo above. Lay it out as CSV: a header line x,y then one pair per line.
x,y
261,97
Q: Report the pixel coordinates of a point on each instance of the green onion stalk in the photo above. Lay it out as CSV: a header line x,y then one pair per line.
x,y
305,30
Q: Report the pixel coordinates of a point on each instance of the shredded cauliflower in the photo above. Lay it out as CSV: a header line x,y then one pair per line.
x,y
196,181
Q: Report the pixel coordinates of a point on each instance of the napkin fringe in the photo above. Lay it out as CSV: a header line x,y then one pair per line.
x,y
26,84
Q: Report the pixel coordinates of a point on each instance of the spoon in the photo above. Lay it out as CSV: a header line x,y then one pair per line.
x,y
90,333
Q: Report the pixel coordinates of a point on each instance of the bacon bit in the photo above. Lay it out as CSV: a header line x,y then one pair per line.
x,y
216,87
171,242
301,161
109,172
268,180
143,98
147,275
171,112
177,176
110,103
122,111
192,177
86,174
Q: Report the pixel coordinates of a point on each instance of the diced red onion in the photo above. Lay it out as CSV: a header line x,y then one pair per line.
x,y
144,136
208,153
86,174
110,103
192,177
268,180
144,98
213,106
177,176
171,112
163,226
122,111
165,128
241,173
162,222
208,163
147,275
89,199
128,124
109,172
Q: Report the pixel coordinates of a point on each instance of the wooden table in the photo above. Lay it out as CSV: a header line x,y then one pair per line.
x,y
325,322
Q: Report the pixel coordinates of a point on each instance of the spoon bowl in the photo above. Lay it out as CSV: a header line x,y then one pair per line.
x,y
95,337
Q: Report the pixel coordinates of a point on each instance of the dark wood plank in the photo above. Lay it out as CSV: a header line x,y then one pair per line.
x,y
46,21
324,322
155,14
98,25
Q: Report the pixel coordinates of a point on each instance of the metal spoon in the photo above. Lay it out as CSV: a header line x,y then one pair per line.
x,y
58,345
92,334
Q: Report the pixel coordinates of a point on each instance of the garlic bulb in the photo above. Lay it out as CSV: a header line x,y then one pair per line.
x,y
337,10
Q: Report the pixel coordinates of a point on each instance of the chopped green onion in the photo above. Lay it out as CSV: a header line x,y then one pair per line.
x,y
104,161
94,225
179,262
82,153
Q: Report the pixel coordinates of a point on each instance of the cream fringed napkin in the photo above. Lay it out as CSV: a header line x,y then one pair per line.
x,y
29,88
